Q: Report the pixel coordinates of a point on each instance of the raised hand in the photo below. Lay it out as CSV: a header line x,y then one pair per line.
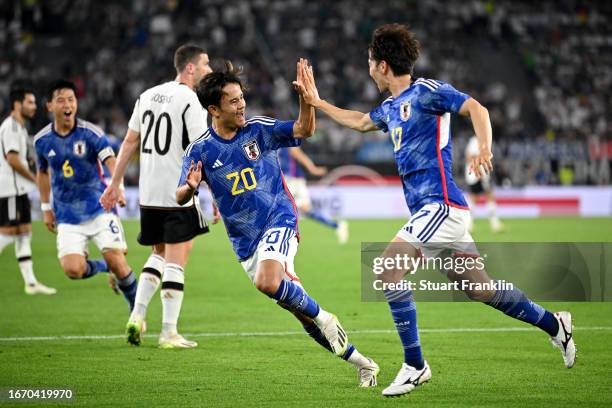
x,y
194,176
305,83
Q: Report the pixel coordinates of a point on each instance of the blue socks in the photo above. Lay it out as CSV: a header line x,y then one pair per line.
x,y
295,299
94,266
128,286
403,310
515,304
322,219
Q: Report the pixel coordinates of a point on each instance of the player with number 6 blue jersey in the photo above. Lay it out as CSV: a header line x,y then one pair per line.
x,y
70,153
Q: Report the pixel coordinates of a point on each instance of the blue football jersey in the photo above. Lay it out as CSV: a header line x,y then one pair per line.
x,y
418,121
246,181
289,166
76,169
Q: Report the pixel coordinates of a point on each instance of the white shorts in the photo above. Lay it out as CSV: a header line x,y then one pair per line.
x,y
299,191
279,244
437,227
105,230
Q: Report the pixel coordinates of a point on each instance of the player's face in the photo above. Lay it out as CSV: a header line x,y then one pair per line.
x,y
202,68
376,73
28,106
64,106
233,106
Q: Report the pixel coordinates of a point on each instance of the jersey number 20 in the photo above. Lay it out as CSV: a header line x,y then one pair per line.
x,y
249,182
161,150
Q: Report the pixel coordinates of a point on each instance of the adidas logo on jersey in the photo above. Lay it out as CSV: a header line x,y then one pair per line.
x,y
269,249
51,153
217,164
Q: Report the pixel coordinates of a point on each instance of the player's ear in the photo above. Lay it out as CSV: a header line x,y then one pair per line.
x,y
213,110
49,106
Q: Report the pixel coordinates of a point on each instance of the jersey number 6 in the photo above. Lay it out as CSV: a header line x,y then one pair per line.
x,y
67,169
249,182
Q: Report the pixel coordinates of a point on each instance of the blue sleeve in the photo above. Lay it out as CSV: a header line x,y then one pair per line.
x,y
192,153
41,160
445,98
378,117
280,134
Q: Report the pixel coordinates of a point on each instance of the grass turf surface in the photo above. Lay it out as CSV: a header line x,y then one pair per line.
x,y
503,368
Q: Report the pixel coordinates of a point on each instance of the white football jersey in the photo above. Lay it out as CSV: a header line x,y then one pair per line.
x,y
472,149
168,118
13,138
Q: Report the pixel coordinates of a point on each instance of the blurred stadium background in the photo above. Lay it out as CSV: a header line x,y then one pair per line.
x,y
543,70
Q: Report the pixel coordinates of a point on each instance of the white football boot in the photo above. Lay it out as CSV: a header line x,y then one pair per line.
x,y
175,340
368,374
407,379
39,289
564,340
135,329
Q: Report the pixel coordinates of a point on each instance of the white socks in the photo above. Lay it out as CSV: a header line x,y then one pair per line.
x,y
23,253
148,283
172,297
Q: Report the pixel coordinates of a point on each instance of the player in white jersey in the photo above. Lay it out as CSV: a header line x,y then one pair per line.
x,y
480,186
16,181
166,118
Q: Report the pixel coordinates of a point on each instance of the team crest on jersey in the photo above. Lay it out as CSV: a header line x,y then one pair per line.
x,y
405,110
80,148
251,149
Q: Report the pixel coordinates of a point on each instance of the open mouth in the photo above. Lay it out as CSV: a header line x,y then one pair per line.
x,y
67,115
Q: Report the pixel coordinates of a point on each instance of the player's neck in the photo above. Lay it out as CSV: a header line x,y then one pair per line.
x,y
399,84
185,79
18,117
224,132
63,128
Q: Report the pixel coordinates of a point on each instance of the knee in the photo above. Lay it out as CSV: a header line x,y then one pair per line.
x,y
73,270
266,284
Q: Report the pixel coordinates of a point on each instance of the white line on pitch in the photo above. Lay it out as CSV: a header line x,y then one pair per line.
x,y
294,333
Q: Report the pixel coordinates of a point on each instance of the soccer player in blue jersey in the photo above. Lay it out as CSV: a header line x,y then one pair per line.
x,y
417,116
70,153
293,163
237,159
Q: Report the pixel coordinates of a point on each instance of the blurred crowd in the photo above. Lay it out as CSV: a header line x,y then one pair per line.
x,y
541,68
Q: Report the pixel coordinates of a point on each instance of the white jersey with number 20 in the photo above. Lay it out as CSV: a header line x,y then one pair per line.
x,y
168,118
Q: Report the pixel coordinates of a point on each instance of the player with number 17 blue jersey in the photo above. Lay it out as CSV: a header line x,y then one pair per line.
x,y
417,116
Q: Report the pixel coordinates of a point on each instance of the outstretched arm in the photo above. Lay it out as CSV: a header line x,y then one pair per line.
x,y
482,127
111,195
352,119
302,158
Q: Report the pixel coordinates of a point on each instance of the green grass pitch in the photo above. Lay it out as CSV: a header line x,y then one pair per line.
x,y
284,367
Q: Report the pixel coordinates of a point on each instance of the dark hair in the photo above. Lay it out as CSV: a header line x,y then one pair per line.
x,y
18,93
210,88
57,85
185,54
396,45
